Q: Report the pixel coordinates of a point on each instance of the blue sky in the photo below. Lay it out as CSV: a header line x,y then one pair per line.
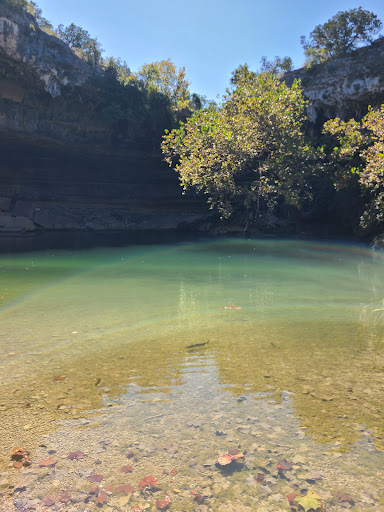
x,y
210,38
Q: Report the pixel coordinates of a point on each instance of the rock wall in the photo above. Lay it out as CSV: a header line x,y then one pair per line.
x,y
343,87
63,168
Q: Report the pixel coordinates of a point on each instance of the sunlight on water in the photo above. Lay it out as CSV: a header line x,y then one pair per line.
x,y
176,354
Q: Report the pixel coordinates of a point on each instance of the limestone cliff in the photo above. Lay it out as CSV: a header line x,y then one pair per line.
x,y
65,164
78,153
343,87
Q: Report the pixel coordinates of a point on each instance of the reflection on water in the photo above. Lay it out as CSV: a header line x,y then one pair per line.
x,y
181,352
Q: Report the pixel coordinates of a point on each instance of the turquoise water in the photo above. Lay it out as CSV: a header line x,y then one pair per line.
x,y
179,353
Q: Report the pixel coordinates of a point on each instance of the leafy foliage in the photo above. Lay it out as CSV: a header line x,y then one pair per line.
x,y
80,40
43,23
340,35
248,153
17,4
360,150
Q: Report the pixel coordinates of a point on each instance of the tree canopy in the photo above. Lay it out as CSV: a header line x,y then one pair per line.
x,y
80,39
360,150
340,35
248,153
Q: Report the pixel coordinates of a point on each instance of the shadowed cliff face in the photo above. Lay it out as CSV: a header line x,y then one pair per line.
x,y
65,164
81,151
343,87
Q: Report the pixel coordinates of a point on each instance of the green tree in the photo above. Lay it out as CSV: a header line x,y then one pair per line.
x,y
79,39
360,151
43,23
163,77
247,154
340,35
17,4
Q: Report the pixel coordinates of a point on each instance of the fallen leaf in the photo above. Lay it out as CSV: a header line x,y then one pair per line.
x,y
94,490
198,497
58,378
260,477
64,498
102,497
163,503
284,465
129,455
26,406
17,464
126,469
48,501
95,478
291,497
344,498
223,460
127,489
47,463
108,488
75,455
149,481
232,306
310,501
173,472
230,456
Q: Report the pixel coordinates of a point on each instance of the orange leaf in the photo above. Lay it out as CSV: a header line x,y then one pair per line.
x,y
46,463
223,460
57,379
163,503
148,481
102,497
17,464
126,469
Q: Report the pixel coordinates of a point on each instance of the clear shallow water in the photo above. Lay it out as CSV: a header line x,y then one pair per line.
x,y
152,362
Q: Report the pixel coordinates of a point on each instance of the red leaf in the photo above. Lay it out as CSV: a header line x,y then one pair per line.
x,y
95,478
48,501
126,469
130,454
198,497
148,481
344,498
291,497
233,452
17,464
284,465
102,497
47,463
108,488
127,489
75,455
64,498
163,503
94,490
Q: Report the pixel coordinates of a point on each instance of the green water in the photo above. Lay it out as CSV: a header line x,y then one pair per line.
x,y
182,352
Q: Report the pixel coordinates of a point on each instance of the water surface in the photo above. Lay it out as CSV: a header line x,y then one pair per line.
x,y
177,354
